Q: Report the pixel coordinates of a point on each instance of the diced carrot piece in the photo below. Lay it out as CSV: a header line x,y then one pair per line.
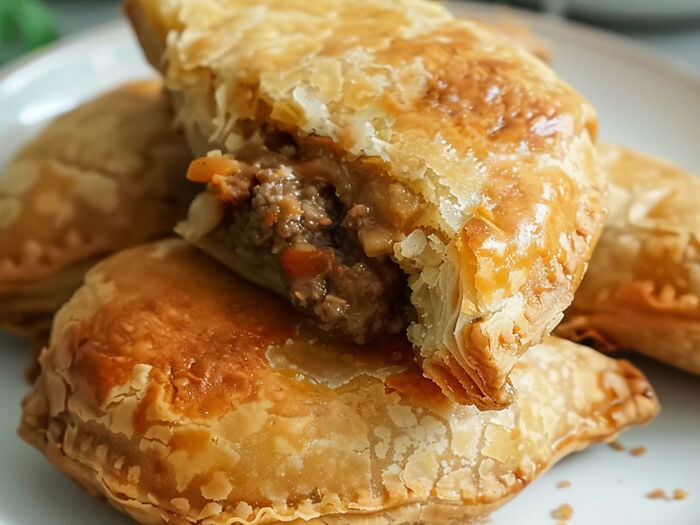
x,y
204,168
270,218
306,263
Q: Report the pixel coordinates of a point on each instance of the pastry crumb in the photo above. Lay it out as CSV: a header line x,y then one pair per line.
x,y
638,451
680,494
563,484
657,494
616,445
661,494
563,512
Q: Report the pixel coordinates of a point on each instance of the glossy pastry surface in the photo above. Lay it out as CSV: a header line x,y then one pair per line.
x,y
183,394
642,288
401,138
98,179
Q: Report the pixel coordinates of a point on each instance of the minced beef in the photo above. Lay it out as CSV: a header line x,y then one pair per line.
x,y
285,212
345,292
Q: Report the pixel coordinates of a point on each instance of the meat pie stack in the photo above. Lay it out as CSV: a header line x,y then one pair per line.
x,y
395,208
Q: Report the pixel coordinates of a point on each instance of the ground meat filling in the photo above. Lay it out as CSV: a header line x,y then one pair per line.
x,y
301,220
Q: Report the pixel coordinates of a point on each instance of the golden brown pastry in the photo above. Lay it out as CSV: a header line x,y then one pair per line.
x,y
103,177
386,167
642,288
183,394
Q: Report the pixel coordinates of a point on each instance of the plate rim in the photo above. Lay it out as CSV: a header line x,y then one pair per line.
x,y
635,49
62,45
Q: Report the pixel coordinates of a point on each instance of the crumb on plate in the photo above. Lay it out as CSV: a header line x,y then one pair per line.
x,y
563,512
657,494
616,445
680,494
638,451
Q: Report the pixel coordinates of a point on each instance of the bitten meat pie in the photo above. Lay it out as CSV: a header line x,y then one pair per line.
x,y
388,168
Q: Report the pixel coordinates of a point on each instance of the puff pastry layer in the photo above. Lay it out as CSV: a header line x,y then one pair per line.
x,y
103,177
491,151
183,394
642,288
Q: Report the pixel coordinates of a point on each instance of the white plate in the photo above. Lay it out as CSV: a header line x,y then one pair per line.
x,y
642,101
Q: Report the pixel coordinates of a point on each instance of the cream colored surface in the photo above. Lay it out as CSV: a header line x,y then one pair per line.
x,y
642,289
103,177
496,149
204,405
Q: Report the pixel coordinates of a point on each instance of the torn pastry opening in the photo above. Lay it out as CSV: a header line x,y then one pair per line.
x,y
303,219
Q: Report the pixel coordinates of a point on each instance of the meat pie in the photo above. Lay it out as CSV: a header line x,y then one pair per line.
x,y
103,177
388,168
183,394
642,289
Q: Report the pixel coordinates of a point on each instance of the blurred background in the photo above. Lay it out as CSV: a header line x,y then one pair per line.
x,y
671,26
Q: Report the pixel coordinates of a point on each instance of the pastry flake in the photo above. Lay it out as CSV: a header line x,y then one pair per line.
x,y
103,177
437,178
642,288
183,394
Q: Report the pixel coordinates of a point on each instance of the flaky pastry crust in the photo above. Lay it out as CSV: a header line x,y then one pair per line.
x,y
103,177
183,394
495,148
642,288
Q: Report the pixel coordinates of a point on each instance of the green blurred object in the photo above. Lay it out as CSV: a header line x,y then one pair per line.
x,y
24,25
